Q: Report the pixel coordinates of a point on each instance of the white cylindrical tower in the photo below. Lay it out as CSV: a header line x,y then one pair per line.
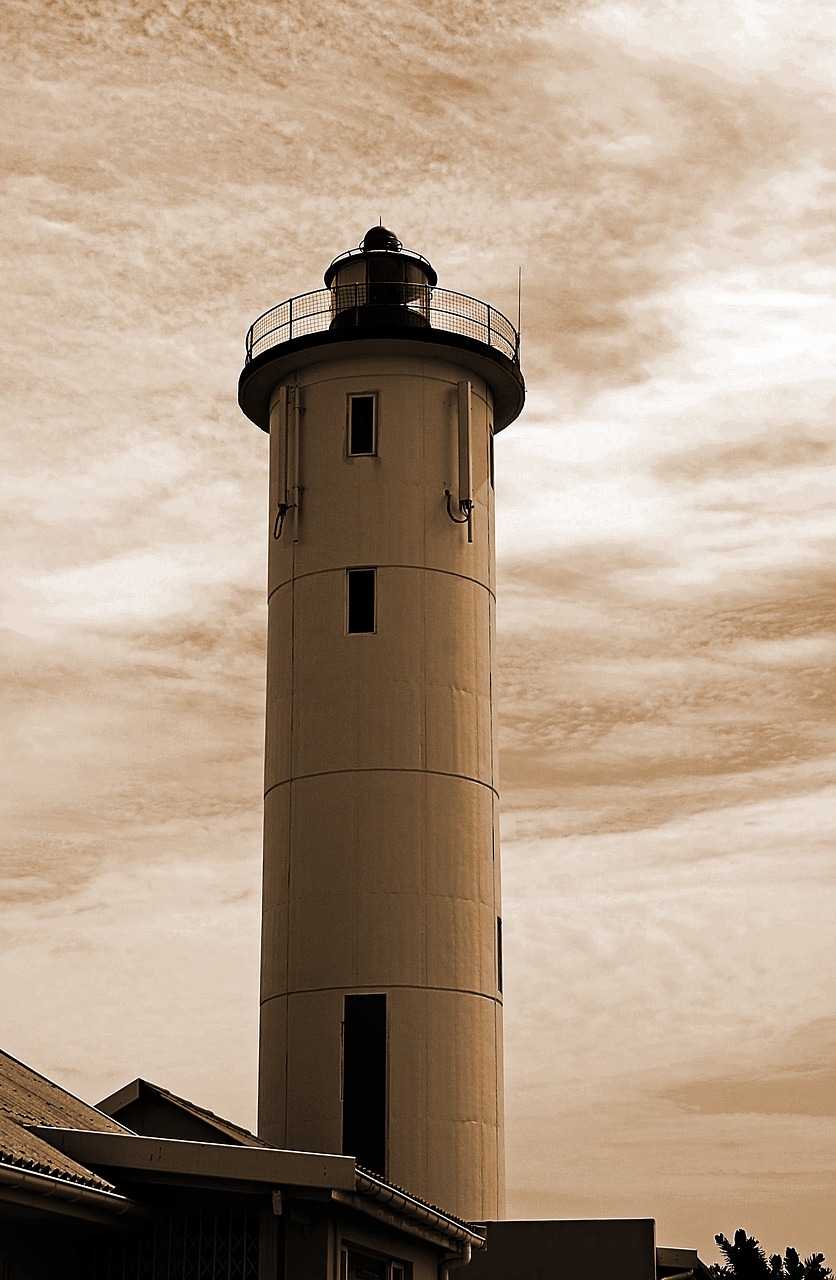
x,y
381,986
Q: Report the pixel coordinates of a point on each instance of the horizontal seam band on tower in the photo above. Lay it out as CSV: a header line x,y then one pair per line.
x,y
422,568
384,986
433,773
396,377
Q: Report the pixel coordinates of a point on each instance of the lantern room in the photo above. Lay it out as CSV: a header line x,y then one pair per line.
x,y
380,283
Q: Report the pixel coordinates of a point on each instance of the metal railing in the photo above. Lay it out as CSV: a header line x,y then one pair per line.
x,y
356,305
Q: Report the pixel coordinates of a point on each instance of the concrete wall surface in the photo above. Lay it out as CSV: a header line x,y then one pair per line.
x,y
381,859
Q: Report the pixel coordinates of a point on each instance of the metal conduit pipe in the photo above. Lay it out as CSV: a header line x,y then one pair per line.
x,y
452,1260
369,1185
46,1184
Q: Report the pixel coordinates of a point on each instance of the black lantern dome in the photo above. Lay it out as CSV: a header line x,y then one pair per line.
x,y
380,238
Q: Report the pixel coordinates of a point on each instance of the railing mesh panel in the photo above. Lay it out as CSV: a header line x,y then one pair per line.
x,y
357,304
206,1244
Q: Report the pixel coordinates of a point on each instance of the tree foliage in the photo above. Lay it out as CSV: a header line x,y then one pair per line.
x,y
746,1260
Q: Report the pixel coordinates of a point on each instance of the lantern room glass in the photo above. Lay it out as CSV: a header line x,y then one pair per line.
x,y
364,286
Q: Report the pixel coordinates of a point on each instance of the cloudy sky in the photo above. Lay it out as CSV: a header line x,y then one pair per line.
x,y
663,173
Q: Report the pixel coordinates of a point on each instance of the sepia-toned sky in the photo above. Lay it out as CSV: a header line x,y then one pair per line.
x,y
663,173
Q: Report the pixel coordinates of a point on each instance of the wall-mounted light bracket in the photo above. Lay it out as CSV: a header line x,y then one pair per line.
x,y
465,510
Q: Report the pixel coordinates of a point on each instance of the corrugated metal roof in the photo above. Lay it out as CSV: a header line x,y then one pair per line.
x,y
25,1150
28,1098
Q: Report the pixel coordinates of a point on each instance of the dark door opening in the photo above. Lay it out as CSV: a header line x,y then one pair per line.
x,y
365,1103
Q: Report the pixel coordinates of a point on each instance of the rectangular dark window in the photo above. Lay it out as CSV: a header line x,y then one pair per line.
x,y
358,1264
499,953
362,425
490,455
360,604
365,1103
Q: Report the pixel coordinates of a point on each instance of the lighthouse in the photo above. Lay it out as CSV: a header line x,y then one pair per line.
x,y
381,962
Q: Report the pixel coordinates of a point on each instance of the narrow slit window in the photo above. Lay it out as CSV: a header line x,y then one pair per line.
x,y
362,426
365,1103
490,455
361,591
499,953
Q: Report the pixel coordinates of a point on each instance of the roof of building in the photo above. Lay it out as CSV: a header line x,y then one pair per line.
x,y
367,1183
139,1091
155,1159
49,1136
26,1099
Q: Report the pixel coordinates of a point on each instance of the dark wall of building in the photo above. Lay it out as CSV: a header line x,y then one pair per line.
x,y
571,1250
44,1250
308,1241
26,1252
205,1241
399,1256
175,1233
323,1242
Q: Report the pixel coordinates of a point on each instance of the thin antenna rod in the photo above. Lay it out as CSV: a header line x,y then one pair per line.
x,y
519,299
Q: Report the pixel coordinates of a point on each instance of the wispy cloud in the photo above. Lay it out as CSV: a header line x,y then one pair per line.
x,y
664,174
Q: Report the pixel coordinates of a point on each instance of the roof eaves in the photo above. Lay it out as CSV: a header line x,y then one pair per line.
x,y
22,1149
47,1169
63,1188
675,1264
121,1098
369,1184
181,1158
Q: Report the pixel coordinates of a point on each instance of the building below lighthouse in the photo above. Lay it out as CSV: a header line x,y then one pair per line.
x,y
381,992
